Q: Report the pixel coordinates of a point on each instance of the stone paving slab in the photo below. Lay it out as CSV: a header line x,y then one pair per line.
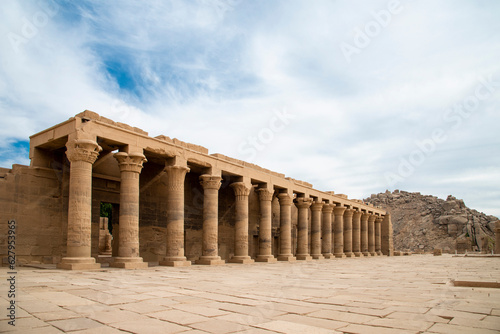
x,y
411,294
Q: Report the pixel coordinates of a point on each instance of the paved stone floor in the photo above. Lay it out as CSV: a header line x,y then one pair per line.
x,y
410,294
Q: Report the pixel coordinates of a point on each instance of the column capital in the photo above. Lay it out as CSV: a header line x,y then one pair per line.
x,y
82,150
339,210
328,208
130,162
349,212
265,194
357,214
240,189
365,216
315,206
176,176
177,169
303,202
285,199
379,220
372,218
210,181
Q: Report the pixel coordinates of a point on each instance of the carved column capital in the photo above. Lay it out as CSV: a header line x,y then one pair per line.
x,y
285,199
240,189
379,220
339,210
82,150
328,208
130,162
316,206
357,214
372,218
176,176
210,181
303,202
365,216
349,213
265,194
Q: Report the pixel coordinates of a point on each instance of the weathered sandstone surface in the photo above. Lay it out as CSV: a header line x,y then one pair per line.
x,y
424,222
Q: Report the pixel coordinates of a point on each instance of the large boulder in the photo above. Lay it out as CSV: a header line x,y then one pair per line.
x,y
425,222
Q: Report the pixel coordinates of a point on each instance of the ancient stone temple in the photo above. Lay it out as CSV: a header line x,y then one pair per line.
x,y
172,203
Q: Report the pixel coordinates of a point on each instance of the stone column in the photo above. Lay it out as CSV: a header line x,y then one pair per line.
x,y
265,226
128,244
316,231
81,153
338,231
387,236
364,234
497,236
356,234
303,205
326,240
348,232
175,256
333,230
378,235
285,228
371,235
210,246
241,225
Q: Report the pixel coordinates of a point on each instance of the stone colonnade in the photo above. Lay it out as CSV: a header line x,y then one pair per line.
x,y
336,231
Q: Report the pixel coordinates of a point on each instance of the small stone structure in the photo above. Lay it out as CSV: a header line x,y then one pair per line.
x,y
173,203
497,237
464,245
104,237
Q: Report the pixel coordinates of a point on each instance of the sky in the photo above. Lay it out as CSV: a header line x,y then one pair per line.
x,y
356,97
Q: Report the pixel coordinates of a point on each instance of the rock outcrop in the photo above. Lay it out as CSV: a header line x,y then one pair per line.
x,y
423,223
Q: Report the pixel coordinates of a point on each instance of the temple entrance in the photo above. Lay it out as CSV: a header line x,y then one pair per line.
x,y
108,231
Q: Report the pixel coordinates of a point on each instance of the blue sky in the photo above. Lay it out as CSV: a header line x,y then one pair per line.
x,y
355,97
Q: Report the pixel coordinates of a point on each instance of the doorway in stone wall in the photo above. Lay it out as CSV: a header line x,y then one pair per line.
x,y
108,230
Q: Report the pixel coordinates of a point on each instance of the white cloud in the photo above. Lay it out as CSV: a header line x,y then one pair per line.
x,y
214,73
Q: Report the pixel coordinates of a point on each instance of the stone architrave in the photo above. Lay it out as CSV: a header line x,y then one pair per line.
x,y
348,214
210,243
356,234
81,153
285,228
316,231
378,235
175,255
326,239
265,226
387,236
371,235
303,205
241,191
338,232
364,234
128,245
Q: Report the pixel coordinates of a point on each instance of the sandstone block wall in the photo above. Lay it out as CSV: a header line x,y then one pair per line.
x,y
33,197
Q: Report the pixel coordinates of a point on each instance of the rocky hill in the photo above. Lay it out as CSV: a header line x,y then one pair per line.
x,y
424,222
